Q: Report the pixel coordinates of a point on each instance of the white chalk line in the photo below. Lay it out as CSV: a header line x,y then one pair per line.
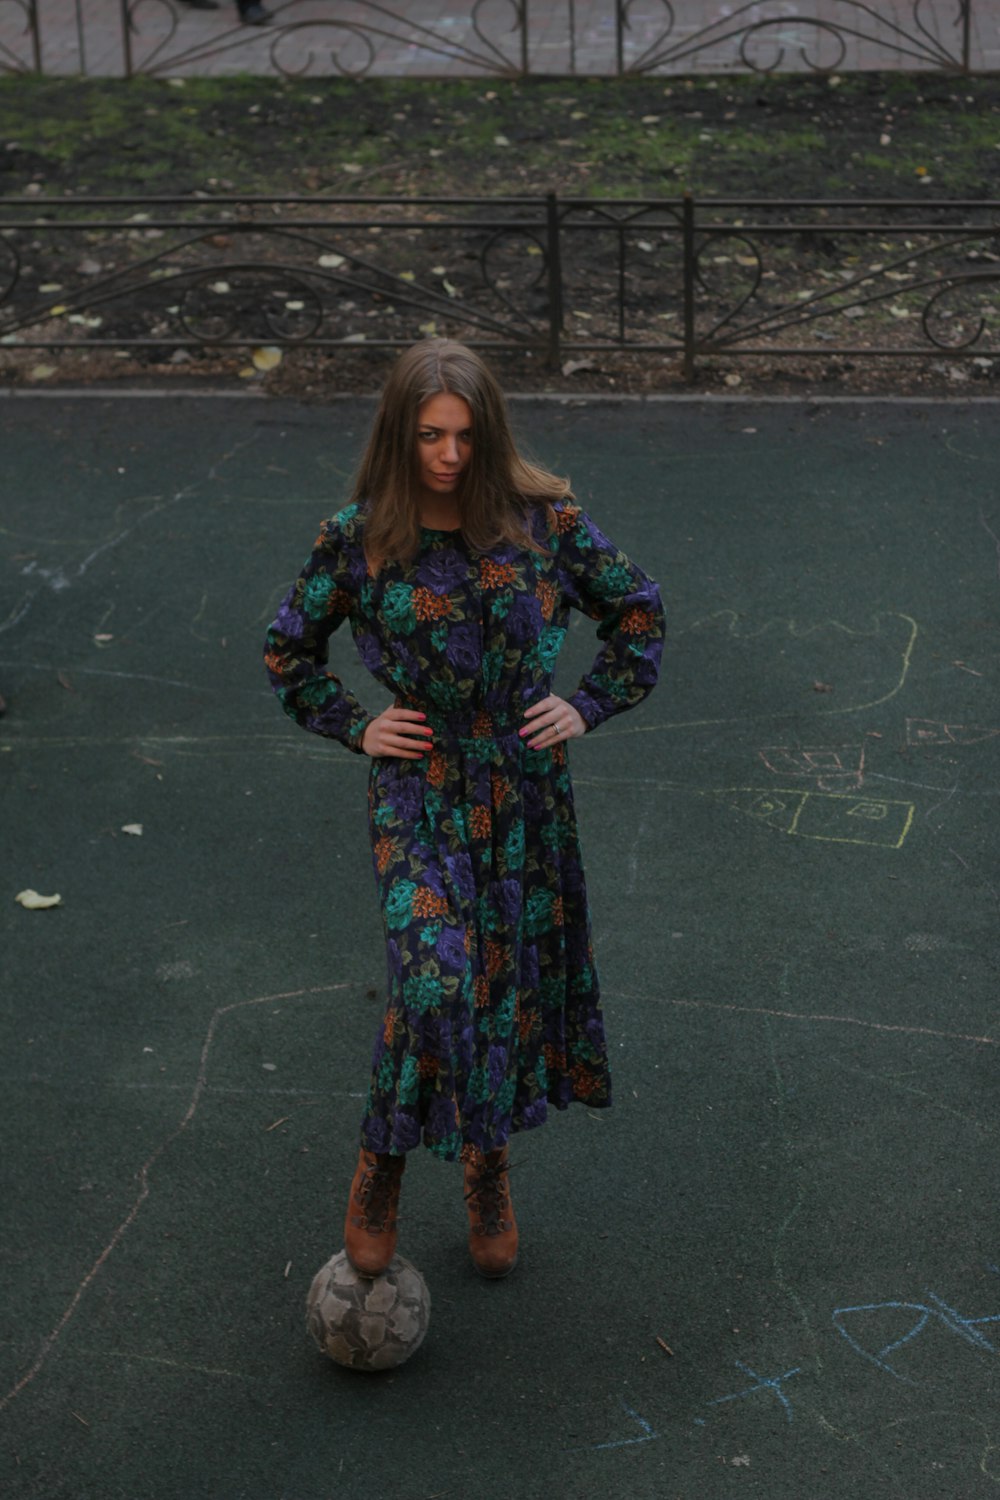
x,y
49,1343
793,1015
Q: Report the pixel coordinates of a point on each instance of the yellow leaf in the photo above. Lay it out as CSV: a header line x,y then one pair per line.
x,y
267,358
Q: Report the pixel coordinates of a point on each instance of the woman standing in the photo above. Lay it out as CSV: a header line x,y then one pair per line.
x,y
456,564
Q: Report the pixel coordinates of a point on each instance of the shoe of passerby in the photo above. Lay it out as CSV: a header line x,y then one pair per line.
x,y
256,15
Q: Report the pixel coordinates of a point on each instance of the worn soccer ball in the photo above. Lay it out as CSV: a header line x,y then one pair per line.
x,y
368,1322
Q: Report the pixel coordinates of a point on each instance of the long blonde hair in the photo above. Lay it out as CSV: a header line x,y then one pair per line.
x,y
499,487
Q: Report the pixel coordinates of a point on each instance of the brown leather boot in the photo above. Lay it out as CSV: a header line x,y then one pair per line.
x,y
370,1226
492,1226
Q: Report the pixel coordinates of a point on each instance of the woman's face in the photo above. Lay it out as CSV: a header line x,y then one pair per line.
x,y
444,443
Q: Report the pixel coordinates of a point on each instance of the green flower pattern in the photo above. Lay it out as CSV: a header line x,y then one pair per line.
x,y
493,1012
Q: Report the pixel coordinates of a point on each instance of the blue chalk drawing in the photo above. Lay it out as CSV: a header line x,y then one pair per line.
x,y
965,1328
879,1357
934,1310
773,1384
649,1436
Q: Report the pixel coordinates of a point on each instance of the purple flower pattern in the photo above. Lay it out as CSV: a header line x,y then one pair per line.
x,y
493,1011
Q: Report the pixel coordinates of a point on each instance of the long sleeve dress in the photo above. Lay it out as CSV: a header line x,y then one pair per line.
x,y
493,1007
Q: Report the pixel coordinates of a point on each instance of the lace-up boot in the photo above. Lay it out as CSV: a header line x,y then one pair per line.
x,y
370,1226
492,1226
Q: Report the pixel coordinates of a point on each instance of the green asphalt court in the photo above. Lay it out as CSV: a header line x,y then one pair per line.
x,y
773,1269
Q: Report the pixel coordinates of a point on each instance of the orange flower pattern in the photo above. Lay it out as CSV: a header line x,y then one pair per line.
x,y
493,1014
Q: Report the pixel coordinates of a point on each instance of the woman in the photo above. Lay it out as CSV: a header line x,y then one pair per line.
x,y
456,564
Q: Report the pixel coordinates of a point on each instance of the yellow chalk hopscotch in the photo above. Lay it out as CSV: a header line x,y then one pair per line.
x,y
830,817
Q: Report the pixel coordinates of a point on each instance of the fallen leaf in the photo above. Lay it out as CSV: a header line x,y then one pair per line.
x,y
572,365
430,328
133,828
32,901
41,372
407,276
734,379
267,358
500,140
64,681
822,687
103,639
331,262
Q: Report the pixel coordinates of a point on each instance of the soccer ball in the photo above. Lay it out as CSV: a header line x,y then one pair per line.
x,y
368,1322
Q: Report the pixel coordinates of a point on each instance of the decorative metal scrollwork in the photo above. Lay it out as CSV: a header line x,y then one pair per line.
x,y
23,58
256,303
301,32
300,41
506,38
733,32
934,309
815,65
603,275
505,267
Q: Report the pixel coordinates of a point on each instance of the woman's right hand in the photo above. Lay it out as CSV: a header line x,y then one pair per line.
x,y
401,732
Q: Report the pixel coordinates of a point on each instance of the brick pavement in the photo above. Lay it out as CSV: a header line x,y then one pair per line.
x,y
438,37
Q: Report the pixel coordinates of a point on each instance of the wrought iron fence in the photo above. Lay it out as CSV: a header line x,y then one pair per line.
x,y
560,279
500,38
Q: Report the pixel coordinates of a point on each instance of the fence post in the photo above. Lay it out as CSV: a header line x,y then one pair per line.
x,y
554,260
127,37
966,36
36,35
690,270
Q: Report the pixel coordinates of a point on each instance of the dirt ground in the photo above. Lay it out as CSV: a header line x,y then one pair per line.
x,y
898,137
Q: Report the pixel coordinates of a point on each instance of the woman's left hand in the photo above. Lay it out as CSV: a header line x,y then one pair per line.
x,y
550,721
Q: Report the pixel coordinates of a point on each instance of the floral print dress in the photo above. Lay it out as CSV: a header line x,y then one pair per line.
x,y
493,1008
